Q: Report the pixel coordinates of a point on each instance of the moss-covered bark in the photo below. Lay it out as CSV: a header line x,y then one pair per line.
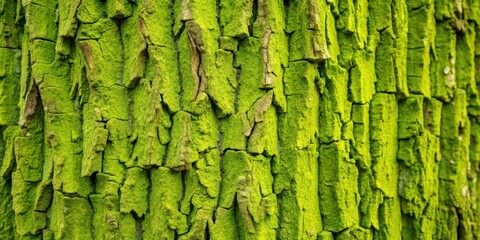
x,y
227,119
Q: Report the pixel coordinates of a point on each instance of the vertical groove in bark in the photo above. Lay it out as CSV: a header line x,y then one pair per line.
x,y
256,119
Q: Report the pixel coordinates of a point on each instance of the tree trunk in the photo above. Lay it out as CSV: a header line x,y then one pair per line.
x,y
228,119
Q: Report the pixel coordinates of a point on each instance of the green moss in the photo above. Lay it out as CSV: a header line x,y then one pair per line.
x,y
385,63
400,28
95,138
239,120
454,117
368,206
354,233
263,139
133,40
67,19
22,194
165,75
420,40
362,78
148,146
338,187
225,226
7,223
235,17
418,173
129,226
331,34
221,87
209,172
410,117
432,116
29,161
40,21
201,194
325,235
308,31
164,218
118,8
43,195
389,216
62,148
181,153
443,70
71,217
274,54
157,19
417,4
228,44
298,153
360,148
453,186
204,132
134,192
42,51
380,13
246,180
10,30
444,10
102,41
9,90
90,11
465,68
8,155
474,148
119,145
25,80
251,69
106,216
299,204
298,126
383,142
334,97
235,130
30,223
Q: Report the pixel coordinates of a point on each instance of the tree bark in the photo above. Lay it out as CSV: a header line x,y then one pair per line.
x,y
228,119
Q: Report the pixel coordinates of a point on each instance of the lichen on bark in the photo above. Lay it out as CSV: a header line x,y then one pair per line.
x,y
227,119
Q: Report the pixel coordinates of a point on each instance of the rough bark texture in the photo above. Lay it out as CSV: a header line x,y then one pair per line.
x,y
228,119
